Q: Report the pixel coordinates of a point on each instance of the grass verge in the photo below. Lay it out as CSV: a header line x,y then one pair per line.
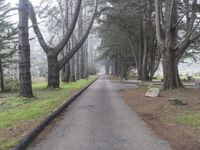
x,y
192,119
20,115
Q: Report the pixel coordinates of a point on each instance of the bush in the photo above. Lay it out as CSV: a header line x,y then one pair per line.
x,y
93,70
11,84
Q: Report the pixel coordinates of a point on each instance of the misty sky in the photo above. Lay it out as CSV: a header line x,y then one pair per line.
x,y
184,68
35,2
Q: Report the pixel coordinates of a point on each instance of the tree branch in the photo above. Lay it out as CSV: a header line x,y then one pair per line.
x,y
157,20
184,14
7,11
66,59
188,36
36,29
171,14
59,47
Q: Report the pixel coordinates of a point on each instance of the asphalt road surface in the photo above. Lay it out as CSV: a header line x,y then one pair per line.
x,y
101,120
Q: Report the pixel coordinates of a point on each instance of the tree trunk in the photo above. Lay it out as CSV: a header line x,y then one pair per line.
x,y
1,74
167,33
72,70
77,66
86,68
139,73
81,51
124,70
170,71
107,68
66,68
81,71
66,73
113,67
72,63
53,72
85,50
25,89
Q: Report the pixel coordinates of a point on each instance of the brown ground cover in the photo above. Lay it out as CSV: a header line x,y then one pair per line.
x,y
158,114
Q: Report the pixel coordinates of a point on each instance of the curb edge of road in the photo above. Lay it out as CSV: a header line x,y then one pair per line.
x,y
28,139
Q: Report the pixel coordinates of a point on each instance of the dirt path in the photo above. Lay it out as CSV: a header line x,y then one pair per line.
x,y
101,120
160,116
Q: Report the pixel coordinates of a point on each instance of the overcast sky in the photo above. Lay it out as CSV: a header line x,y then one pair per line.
x,y
183,67
35,2
35,47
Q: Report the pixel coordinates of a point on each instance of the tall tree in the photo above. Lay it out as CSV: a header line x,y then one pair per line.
x,y
174,17
65,20
24,51
54,66
144,46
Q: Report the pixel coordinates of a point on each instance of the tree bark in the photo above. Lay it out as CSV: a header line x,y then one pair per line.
x,y
170,71
86,68
2,79
81,69
72,70
53,72
107,68
81,51
66,68
113,66
124,70
72,63
77,66
25,83
66,73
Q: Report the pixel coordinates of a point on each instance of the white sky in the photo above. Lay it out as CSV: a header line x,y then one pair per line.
x,y
34,2
183,67
35,47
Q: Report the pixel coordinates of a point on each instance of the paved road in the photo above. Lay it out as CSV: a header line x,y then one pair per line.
x,y
100,120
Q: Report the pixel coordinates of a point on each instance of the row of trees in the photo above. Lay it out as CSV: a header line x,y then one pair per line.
x,y
147,32
52,52
135,45
134,34
69,23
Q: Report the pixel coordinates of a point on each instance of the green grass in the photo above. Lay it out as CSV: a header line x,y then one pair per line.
x,y
159,77
196,77
15,110
188,118
4,144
